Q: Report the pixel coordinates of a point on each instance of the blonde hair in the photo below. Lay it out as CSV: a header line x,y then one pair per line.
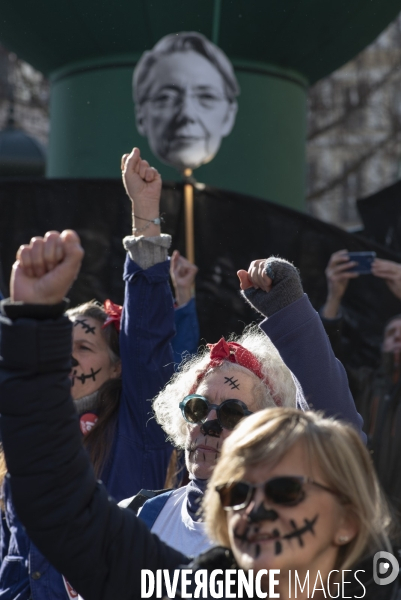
x,y
339,453
283,387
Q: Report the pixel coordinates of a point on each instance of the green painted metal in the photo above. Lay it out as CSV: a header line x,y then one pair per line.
x,y
89,48
93,124
311,36
216,22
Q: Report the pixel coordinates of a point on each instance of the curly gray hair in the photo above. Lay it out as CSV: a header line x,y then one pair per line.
x,y
284,389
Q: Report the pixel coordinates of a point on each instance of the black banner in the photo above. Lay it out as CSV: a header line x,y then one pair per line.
x,y
231,230
381,216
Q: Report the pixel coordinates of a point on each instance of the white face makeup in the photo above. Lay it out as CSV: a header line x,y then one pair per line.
x,y
186,113
92,365
265,535
203,450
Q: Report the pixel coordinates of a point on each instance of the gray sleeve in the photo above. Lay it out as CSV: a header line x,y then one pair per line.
x,y
147,251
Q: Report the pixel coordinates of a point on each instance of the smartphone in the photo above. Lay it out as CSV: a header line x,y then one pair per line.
x,y
364,260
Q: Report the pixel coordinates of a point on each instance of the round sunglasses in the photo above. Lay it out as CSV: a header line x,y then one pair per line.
x,y
195,410
286,491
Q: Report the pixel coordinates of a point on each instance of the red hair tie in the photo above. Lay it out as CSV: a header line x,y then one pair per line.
x,y
113,312
234,353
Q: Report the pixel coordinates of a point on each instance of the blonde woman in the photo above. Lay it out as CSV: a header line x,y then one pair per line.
x,y
297,492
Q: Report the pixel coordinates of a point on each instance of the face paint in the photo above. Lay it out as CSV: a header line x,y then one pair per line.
x,y
208,442
233,383
251,530
211,428
91,362
261,514
191,449
302,536
243,537
298,533
82,378
87,328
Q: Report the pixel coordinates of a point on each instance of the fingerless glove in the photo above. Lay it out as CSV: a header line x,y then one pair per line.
x,y
286,288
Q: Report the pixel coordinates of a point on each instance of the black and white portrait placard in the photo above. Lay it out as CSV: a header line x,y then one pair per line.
x,y
185,94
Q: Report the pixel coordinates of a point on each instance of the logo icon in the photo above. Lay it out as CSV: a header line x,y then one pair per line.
x,y
385,568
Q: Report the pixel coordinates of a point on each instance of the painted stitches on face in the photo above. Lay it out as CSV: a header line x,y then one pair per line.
x,y
233,383
199,443
300,531
252,536
86,327
83,377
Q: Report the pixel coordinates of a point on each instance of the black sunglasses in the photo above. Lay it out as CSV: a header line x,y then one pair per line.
x,y
287,491
195,410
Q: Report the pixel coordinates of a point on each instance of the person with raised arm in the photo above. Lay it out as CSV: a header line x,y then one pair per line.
x,y
293,490
377,391
121,357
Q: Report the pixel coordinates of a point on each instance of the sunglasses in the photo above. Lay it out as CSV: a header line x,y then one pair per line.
x,y
195,410
286,491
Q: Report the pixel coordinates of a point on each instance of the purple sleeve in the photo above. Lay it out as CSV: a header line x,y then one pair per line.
x,y
299,336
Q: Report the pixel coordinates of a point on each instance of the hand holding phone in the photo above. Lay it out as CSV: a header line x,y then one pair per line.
x,y
363,262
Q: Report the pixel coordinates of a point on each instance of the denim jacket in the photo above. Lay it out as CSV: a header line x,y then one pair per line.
x,y
140,453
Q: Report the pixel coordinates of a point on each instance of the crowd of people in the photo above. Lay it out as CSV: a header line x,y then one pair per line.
x,y
130,454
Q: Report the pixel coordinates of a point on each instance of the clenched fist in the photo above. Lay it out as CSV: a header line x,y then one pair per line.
x,y
46,268
143,185
182,273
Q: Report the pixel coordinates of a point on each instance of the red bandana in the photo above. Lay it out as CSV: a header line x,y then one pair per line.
x,y
114,314
234,353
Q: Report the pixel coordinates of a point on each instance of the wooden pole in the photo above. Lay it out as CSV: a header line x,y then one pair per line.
x,y
189,217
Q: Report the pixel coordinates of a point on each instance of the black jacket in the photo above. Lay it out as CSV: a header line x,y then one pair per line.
x,y
99,547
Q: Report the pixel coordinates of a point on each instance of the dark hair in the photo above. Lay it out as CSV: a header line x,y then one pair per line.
x,y
180,42
99,440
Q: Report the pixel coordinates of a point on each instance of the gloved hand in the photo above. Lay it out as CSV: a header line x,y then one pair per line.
x,y
270,285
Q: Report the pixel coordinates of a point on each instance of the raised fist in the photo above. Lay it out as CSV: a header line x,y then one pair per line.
x,y
182,273
46,268
255,277
141,181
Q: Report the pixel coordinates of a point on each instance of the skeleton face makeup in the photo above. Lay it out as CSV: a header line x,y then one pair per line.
x,y
90,358
304,537
204,441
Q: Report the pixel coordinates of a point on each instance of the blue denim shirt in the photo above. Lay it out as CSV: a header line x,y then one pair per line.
x,y
140,454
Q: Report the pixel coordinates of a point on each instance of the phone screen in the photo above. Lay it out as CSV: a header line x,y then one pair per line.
x,y
364,260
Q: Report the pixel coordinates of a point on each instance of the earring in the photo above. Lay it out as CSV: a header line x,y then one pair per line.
x,y
343,539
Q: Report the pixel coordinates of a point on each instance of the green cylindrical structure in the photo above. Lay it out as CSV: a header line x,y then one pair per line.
x,y
93,124
89,50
